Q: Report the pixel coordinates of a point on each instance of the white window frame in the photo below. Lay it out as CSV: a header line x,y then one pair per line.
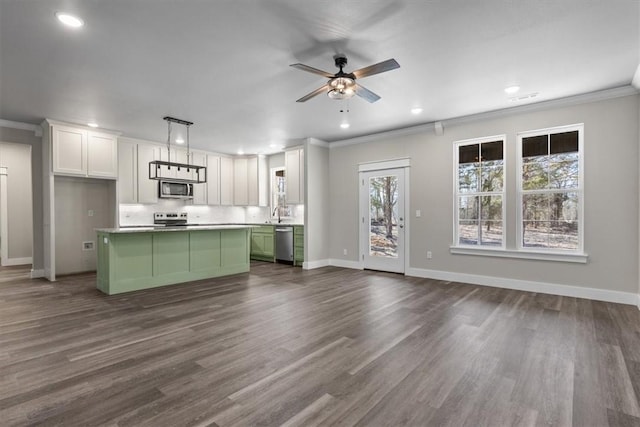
x,y
457,194
580,190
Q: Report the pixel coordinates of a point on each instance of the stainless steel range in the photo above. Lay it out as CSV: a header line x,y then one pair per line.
x,y
169,219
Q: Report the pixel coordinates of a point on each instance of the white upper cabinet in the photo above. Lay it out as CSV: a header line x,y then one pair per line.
x,y
102,155
80,152
294,174
134,185
258,181
147,188
251,181
213,179
199,190
240,183
226,181
69,149
127,172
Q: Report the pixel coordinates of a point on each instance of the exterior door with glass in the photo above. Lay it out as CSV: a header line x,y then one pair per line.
x,y
382,219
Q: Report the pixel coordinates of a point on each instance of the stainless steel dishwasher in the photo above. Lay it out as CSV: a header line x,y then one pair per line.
x,y
284,244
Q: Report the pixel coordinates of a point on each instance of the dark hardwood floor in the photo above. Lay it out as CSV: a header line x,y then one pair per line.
x,y
283,346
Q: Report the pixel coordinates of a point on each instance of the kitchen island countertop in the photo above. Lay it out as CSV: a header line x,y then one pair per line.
x,y
162,228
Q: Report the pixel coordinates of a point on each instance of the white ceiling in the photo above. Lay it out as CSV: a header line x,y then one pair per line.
x,y
225,64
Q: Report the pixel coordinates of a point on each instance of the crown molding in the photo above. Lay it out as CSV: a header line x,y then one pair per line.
x,y
319,143
636,78
36,129
585,98
412,130
79,126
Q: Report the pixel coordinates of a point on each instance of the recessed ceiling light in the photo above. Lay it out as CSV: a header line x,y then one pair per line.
x,y
512,89
345,125
179,141
416,110
69,20
524,97
92,125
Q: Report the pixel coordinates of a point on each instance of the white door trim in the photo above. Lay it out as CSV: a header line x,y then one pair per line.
x,y
387,164
4,225
4,211
362,242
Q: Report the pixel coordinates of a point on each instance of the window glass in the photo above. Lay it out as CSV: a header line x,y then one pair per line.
x,y
565,142
468,154
550,193
535,146
480,186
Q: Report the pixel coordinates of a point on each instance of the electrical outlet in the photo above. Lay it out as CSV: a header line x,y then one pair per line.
x,y
418,213
344,252
90,212
429,255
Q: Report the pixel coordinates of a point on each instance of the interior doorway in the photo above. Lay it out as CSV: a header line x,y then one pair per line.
x,y
16,205
383,224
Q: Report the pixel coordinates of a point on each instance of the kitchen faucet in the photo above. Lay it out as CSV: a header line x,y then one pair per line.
x,y
277,208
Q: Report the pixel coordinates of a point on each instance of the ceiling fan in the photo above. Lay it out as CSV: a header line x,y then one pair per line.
x,y
343,85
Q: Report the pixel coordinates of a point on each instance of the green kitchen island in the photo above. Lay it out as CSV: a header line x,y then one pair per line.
x,y
130,259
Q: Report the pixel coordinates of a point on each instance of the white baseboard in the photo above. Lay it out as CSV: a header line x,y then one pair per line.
x,y
345,263
35,274
310,265
529,286
16,261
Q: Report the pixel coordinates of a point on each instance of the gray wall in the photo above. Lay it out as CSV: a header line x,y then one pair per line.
x,y
17,159
74,197
611,151
20,136
276,161
317,194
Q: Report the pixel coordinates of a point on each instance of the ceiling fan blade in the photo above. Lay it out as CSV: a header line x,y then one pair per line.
x,y
365,93
313,70
380,67
316,92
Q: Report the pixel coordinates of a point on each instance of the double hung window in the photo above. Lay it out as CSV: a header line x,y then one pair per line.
x,y
479,188
550,190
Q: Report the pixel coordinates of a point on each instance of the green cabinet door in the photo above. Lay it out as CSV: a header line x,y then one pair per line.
x,y
263,246
298,245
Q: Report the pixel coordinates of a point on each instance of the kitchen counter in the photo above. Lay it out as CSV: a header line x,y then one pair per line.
x,y
135,258
164,228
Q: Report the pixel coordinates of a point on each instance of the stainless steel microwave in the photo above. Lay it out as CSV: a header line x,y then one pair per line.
x,y
176,190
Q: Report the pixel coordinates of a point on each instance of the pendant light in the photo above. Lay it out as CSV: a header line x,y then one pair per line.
x,y
158,167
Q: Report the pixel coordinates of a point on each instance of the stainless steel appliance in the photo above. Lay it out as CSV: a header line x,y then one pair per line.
x,y
175,190
284,244
169,219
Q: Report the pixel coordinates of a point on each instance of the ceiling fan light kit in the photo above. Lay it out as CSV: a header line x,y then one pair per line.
x,y
343,85
156,166
342,88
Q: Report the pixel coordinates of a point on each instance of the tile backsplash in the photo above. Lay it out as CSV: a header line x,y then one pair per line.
x,y
132,215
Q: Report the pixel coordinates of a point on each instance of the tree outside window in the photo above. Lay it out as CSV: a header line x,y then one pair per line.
x,y
550,189
480,192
